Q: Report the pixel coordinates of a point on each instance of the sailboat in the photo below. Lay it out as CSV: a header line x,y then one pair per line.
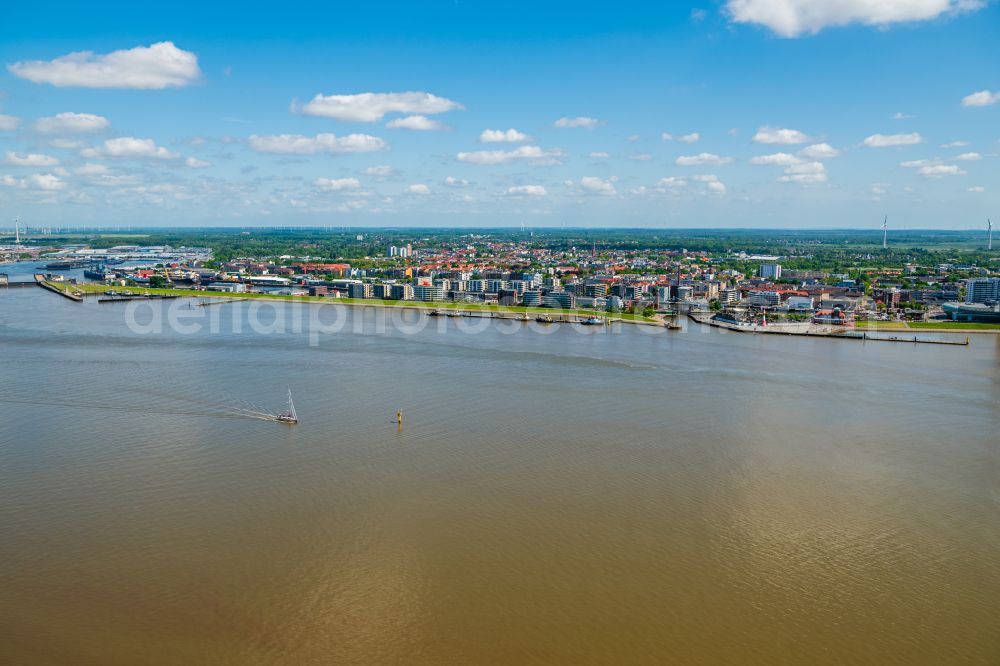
x,y
289,415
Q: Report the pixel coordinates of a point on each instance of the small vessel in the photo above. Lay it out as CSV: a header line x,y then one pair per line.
x,y
592,321
435,313
289,415
543,319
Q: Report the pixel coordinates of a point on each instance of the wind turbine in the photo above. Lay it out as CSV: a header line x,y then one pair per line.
x,y
989,234
885,232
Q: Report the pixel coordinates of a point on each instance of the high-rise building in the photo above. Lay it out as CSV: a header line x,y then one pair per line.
x,y
982,290
426,293
770,271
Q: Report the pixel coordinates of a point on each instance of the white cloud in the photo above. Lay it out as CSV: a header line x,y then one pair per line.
x,y
418,188
955,144
36,181
297,144
599,155
9,123
899,115
777,159
969,157
889,140
794,18
712,182
527,190
533,154
779,135
671,183
940,170
702,159
160,65
128,146
501,136
451,181
977,188
819,151
90,169
693,137
579,121
913,164
195,163
417,123
71,122
807,172
634,137
640,157
981,98
337,184
66,144
372,107
380,172
598,185
30,160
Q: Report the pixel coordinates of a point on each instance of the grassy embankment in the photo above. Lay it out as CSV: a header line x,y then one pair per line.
x,y
926,326
438,305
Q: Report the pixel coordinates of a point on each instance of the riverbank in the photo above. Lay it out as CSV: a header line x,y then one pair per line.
x,y
626,318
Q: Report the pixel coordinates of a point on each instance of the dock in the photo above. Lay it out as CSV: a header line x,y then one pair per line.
x,y
69,291
844,335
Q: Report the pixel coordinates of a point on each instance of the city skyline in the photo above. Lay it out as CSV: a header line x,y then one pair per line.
x,y
745,113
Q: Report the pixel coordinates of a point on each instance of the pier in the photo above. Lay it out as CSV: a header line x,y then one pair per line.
x,y
844,335
68,291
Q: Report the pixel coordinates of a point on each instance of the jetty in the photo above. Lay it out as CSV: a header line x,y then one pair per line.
x,y
809,331
67,290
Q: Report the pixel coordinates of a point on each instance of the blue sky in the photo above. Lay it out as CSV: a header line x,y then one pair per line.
x,y
751,113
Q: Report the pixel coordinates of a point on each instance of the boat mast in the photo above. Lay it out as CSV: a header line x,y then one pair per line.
x,y
291,405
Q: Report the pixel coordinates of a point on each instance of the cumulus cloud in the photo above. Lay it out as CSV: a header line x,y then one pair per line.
x,y
195,163
940,170
889,140
640,157
598,185
91,169
702,159
969,157
380,172
128,146
69,122
337,184
526,190
777,159
30,160
779,135
451,181
599,155
693,137
297,144
9,123
36,181
372,107
981,98
977,188
955,144
794,18
418,188
417,123
671,183
532,154
807,172
160,65
579,121
712,182
501,136
819,151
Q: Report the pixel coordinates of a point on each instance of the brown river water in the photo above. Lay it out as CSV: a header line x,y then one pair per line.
x,y
556,494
